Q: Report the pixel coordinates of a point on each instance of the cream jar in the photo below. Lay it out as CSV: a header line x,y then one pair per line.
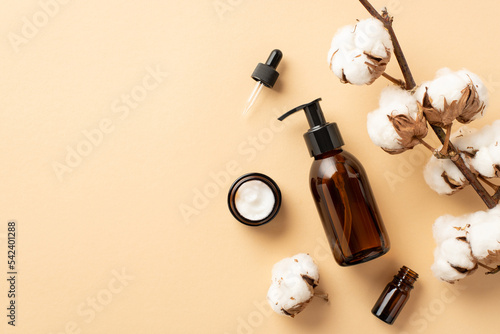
x,y
254,199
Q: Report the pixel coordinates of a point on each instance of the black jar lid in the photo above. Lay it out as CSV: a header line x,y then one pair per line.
x,y
254,177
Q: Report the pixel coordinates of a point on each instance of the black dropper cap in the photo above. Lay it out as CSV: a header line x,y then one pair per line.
x,y
322,136
266,73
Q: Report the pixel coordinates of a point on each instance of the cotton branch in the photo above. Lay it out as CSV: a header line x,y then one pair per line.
x,y
452,152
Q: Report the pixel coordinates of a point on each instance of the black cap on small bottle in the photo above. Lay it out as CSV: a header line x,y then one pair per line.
x,y
322,136
266,73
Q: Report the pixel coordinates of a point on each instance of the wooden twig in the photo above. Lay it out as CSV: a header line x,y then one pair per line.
x,y
446,143
395,81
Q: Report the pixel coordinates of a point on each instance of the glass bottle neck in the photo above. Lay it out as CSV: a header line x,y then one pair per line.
x,y
405,278
328,154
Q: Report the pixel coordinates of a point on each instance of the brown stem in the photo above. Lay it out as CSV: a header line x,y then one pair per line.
x,y
398,51
446,143
373,12
484,266
460,163
493,186
496,196
395,81
403,65
490,269
389,77
423,142
386,19
322,295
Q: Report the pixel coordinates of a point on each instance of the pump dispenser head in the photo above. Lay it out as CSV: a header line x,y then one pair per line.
x,y
322,136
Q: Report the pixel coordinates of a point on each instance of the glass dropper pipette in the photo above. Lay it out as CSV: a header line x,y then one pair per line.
x,y
265,75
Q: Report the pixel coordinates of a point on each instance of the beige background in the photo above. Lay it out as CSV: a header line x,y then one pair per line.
x,y
116,212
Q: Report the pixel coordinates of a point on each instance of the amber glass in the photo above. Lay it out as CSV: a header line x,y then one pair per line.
x,y
347,208
395,295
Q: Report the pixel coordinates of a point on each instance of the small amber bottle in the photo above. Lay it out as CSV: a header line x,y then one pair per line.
x,y
395,295
342,193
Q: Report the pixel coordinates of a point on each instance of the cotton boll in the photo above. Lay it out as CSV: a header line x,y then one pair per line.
x,y
289,300
435,181
372,37
420,91
442,176
484,147
444,271
484,234
461,139
359,54
293,283
381,131
341,50
338,62
356,71
486,136
449,227
396,126
486,160
343,40
454,174
398,101
447,85
457,252
465,240
460,96
481,88
306,267
453,258
300,265
379,50
484,238
394,133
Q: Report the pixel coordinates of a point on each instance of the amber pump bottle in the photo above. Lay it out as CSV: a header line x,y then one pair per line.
x,y
342,194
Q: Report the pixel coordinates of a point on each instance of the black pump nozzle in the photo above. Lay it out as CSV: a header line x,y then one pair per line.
x,y
313,111
322,136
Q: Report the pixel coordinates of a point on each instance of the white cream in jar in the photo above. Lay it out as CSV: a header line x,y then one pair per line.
x,y
254,199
